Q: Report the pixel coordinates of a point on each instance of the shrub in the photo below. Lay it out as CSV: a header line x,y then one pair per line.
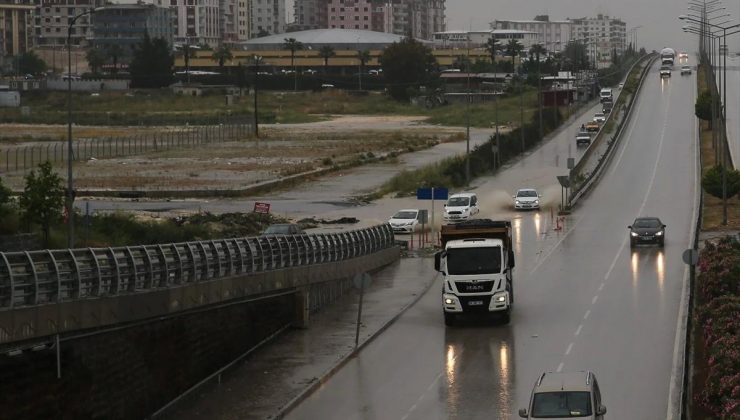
x,y
712,182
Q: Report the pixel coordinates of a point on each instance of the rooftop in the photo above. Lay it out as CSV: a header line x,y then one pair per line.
x,y
328,37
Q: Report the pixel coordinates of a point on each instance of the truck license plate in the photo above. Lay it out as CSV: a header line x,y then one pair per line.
x,y
475,303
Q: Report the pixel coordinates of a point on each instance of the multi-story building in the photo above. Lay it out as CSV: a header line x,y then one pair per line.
x,y
554,35
126,25
311,14
195,21
266,17
16,25
350,14
52,19
479,39
603,37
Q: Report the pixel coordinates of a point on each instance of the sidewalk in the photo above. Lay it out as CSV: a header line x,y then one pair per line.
x,y
279,374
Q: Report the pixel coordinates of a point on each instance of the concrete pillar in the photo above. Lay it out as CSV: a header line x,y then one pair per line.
x,y
302,307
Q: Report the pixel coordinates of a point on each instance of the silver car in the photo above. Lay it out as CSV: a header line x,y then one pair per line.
x,y
564,395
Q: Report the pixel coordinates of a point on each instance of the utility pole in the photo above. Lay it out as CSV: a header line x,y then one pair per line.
x,y
257,60
467,119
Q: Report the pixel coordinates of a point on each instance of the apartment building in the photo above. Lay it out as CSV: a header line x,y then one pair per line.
x,y
603,36
16,24
126,25
195,21
311,14
350,14
51,20
266,17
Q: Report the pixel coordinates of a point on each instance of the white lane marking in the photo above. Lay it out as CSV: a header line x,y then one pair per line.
x,y
560,367
588,312
660,152
614,261
572,228
594,299
675,385
601,287
570,347
578,331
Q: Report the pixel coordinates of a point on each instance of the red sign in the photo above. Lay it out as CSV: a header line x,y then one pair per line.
x,y
261,207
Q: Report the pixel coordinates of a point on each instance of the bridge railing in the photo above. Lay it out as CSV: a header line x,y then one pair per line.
x,y
53,276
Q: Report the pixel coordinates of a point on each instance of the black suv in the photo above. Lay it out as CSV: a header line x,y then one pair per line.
x,y
647,230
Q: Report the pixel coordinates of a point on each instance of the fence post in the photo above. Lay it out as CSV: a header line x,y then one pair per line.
x,y
16,159
7,160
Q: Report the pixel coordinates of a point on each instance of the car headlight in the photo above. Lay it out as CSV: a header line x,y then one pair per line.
x,y
518,202
634,234
537,201
659,234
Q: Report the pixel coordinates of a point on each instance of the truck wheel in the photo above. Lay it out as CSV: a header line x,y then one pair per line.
x,y
506,317
449,319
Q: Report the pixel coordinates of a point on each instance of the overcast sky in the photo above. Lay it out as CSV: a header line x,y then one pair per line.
x,y
659,18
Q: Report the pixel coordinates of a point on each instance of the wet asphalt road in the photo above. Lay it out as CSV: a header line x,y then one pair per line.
x,y
583,299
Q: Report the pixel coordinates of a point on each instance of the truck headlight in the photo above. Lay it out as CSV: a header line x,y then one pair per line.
x,y
634,234
449,301
501,299
659,234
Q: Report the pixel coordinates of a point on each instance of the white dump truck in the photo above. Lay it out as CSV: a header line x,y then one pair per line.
x,y
476,263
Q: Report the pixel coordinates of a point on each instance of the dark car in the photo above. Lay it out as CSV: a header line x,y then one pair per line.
x,y
284,229
647,230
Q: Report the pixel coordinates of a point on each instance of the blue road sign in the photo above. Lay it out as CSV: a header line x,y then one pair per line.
x,y
426,193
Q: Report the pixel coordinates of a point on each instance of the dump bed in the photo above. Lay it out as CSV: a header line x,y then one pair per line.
x,y
478,228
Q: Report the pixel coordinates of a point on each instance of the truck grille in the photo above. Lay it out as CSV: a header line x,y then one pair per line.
x,y
477,287
468,303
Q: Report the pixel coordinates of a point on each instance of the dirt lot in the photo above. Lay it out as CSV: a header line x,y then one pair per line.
x,y
282,150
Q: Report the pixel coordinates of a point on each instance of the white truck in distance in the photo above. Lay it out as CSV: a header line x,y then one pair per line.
x,y
476,263
667,56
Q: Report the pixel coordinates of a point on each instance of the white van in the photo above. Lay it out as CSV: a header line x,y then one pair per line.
x,y
461,207
605,94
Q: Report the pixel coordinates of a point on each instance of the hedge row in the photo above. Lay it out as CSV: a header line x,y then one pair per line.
x,y
719,320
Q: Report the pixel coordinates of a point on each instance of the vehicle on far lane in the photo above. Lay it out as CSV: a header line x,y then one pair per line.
x,y
405,221
565,395
647,230
592,126
665,71
460,207
685,70
599,117
583,138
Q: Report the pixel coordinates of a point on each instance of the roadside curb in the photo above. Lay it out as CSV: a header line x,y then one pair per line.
x,y
306,392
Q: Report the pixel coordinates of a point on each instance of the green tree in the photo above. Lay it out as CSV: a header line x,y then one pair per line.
x,y
712,182
492,45
5,194
513,48
221,55
42,199
293,45
576,56
326,52
95,59
114,53
407,64
537,50
29,63
703,107
151,66
363,56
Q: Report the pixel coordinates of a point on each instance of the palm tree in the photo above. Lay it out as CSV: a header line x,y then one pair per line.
x,y
492,46
364,57
537,50
114,52
326,52
513,48
293,45
221,55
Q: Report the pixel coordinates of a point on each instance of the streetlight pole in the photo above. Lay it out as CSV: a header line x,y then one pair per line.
x,y
69,207
467,117
257,60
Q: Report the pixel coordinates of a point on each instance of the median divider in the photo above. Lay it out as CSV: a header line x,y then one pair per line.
x,y
582,181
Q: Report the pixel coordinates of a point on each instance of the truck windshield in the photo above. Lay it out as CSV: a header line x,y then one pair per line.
x,y
463,261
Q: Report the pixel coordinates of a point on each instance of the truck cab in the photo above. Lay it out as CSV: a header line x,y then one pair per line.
x,y
476,263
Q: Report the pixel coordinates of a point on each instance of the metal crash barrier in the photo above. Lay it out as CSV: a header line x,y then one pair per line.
x,y
55,276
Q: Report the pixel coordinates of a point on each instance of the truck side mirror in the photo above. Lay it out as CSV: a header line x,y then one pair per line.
x,y
523,413
437,260
601,410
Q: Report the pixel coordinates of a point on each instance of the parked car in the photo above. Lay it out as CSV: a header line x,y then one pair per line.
x,y
560,395
646,230
405,221
283,229
526,199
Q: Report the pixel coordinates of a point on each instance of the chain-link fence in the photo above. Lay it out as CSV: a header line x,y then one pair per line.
x,y
25,158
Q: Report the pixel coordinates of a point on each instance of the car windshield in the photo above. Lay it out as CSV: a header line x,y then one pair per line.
x,y
646,223
464,261
527,193
599,115
458,201
405,215
278,230
561,404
